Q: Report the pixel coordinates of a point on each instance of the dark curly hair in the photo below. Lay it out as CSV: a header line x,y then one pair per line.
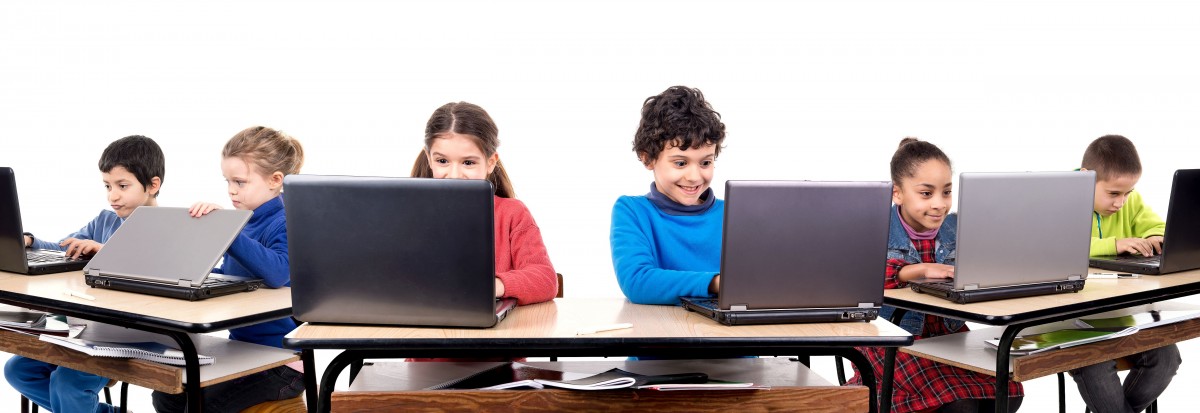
x,y
911,154
139,155
1112,156
679,116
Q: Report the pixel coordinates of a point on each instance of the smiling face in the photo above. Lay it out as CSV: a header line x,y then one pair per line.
x,y
458,156
249,188
125,193
1112,193
684,175
925,198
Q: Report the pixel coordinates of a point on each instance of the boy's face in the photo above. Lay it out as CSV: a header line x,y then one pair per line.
x,y
459,157
125,193
1112,193
684,175
248,187
926,197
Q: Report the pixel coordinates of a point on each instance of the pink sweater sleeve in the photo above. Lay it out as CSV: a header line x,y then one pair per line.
x,y
531,278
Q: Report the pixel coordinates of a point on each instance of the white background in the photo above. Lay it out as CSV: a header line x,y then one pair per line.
x,y
817,90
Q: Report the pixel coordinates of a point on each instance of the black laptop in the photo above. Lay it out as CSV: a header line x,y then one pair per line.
x,y
392,251
166,252
14,257
800,252
1181,241
1020,234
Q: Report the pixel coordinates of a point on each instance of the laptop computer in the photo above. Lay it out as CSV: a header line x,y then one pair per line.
x,y
166,252
800,252
1020,234
14,257
1181,240
393,251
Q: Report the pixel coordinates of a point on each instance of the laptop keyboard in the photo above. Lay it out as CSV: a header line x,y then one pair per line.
x,y
42,257
939,285
1138,259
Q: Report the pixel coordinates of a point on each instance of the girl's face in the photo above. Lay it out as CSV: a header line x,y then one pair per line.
x,y
457,156
684,175
125,193
925,198
249,188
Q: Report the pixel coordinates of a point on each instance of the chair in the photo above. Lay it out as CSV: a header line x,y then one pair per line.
x,y
107,398
1123,364
560,294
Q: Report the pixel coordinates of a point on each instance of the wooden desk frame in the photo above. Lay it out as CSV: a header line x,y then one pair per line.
x,y
1045,309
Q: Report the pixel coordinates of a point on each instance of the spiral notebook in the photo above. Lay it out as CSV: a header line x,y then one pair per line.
x,y
146,350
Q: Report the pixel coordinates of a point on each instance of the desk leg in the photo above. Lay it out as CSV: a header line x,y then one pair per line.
x,y
329,379
1002,361
191,371
310,378
355,367
868,374
889,374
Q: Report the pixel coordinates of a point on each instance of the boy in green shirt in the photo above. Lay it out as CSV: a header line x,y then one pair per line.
x,y
1122,223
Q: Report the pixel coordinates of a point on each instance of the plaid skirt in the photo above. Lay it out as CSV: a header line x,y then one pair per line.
x,y
921,384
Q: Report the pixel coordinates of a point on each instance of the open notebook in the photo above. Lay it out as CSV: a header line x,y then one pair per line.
x,y
146,350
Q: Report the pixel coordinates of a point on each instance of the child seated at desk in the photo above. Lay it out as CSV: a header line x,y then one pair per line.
x,y
132,169
1122,223
254,163
921,244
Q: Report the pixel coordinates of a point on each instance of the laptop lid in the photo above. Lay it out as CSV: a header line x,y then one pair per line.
x,y
166,245
12,241
802,244
1181,241
1023,227
398,251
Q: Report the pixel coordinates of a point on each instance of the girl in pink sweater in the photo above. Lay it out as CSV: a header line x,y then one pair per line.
x,y
460,143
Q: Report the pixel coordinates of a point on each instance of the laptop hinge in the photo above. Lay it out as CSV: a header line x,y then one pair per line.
x,y
971,287
738,307
866,305
185,283
1074,277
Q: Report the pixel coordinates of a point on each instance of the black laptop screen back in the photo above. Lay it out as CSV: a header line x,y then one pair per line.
x,y
401,251
12,243
1181,244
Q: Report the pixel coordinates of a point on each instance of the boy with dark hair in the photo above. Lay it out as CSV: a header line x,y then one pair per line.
x,y
1122,223
132,169
666,244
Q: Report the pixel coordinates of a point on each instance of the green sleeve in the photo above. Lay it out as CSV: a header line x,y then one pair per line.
x,y
1146,223
1103,246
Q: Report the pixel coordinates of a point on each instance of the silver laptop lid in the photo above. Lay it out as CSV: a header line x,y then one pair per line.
x,y
12,243
166,245
1023,227
802,244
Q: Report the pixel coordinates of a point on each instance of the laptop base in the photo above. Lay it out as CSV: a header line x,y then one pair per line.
x,y
708,307
947,291
1136,265
172,291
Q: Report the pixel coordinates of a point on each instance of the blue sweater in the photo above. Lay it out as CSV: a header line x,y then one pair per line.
x,y
99,230
260,251
661,254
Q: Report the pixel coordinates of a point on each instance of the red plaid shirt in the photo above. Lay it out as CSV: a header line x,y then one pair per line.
x,y
922,384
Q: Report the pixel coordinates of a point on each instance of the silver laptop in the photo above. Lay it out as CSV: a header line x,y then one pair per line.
x,y
395,251
1020,234
166,252
1181,241
800,251
14,257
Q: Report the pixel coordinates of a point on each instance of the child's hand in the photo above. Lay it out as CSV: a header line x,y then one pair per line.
x,y
933,270
1157,242
1139,246
77,247
28,241
200,209
499,288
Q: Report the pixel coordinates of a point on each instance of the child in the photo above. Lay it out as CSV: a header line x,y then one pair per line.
x,y
1123,224
254,163
132,169
667,244
921,244
460,143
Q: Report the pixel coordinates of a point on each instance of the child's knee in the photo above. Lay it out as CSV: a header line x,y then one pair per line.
x,y
19,368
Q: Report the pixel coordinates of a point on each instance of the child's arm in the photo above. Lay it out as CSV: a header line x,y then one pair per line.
x,y
532,279
638,272
1145,222
268,260
84,233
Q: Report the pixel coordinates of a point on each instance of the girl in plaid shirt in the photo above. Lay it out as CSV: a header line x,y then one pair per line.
x,y
921,244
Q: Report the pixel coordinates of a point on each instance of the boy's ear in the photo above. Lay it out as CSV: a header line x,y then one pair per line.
x,y
646,161
896,194
155,185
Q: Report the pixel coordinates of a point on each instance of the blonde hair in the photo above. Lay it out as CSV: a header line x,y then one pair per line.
x,y
268,149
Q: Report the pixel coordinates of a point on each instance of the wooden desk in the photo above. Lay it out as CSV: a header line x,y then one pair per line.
x,y
167,316
794,387
548,329
1098,295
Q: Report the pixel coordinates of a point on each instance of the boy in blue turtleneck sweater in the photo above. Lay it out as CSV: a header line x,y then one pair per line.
x,y
667,244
